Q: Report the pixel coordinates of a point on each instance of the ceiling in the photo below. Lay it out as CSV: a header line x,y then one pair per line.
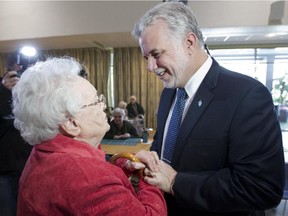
x,y
69,31
276,35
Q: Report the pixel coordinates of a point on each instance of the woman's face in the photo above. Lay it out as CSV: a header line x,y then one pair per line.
x,y
118,119
92,119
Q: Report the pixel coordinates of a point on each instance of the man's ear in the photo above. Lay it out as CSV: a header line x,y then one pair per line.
x,y
70,128
190,41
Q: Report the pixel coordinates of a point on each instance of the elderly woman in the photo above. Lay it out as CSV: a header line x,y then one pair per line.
x,y
120,128
61,115
123,105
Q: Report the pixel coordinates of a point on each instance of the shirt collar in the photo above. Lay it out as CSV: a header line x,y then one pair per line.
x,y
195,81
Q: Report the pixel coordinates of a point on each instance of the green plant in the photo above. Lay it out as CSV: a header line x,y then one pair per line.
x,y
280,90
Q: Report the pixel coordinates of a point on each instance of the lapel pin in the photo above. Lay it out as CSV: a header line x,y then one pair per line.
x,y
199,103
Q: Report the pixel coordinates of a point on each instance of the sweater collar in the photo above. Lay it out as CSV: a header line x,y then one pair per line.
x,y
63,144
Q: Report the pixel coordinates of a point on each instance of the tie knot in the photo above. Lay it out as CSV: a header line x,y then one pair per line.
x,y
181,93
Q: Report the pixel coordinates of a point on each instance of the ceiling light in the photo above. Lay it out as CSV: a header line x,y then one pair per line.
x,y
28,51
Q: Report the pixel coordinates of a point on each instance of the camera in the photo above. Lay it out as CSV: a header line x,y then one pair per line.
x,y
22,60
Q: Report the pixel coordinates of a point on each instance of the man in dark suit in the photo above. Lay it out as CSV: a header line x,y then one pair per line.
x,y
228,157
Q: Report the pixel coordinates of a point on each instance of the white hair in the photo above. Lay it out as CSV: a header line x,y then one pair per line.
x,y
122,104
44,98
120,111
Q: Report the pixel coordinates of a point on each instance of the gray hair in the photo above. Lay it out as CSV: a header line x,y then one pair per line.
x,y
120,111
122,104
44,98
179,17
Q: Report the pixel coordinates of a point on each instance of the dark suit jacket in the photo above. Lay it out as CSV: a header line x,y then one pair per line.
x,y
14,151
131,111
229,154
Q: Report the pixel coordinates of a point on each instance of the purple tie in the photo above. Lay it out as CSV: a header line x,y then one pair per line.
x,y
174,125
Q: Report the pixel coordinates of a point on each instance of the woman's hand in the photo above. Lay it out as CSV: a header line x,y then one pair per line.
x,y
148,159
132,166
126,135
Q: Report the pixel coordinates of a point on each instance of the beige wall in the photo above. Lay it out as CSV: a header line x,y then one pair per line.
x,y
37,19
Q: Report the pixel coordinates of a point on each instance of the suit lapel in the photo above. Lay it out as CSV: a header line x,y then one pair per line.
x,y
195,111
200,103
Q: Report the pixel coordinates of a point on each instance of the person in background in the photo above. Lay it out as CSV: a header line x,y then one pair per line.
x,y
66,174
227,158
14,151
120,128
134,108
123,105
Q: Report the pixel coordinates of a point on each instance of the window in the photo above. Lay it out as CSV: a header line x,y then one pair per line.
x,y
269,66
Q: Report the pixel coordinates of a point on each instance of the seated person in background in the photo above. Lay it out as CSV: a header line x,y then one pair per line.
x,y
120,128
123,105
66,174
134,108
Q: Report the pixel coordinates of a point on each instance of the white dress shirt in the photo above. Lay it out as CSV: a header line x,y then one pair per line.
x,y
191,88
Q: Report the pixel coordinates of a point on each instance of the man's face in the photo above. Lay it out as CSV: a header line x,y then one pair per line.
x,y
132,100
165,56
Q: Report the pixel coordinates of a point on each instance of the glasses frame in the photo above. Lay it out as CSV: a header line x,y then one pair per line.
x,y
101,99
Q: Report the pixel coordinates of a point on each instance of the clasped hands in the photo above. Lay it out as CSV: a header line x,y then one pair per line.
x,y
156,172
123,136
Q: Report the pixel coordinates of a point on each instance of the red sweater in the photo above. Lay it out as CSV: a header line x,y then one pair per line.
x,y
68,177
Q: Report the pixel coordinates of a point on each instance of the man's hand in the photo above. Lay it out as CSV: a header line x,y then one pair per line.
x,y
163,179
150,159
156,173
10,79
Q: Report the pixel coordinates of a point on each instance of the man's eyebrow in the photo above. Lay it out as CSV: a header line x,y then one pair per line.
x,y
150,53
153,51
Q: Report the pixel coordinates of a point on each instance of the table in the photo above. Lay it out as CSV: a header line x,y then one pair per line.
x,y
114,149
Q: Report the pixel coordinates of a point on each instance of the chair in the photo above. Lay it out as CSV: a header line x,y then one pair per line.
x,y
139,124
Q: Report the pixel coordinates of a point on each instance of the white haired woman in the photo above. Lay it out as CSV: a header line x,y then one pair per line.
x,y
61,115
123,105
119,127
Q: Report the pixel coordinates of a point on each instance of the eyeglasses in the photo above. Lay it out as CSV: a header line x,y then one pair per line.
x,y
101,99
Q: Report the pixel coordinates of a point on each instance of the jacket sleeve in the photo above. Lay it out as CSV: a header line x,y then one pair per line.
x,y
5,101
140,109
6,118
253,175
109,192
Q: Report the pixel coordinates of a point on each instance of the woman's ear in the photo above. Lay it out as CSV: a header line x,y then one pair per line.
x,y
70,128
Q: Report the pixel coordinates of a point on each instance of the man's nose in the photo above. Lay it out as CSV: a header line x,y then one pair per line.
x,y
152,65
